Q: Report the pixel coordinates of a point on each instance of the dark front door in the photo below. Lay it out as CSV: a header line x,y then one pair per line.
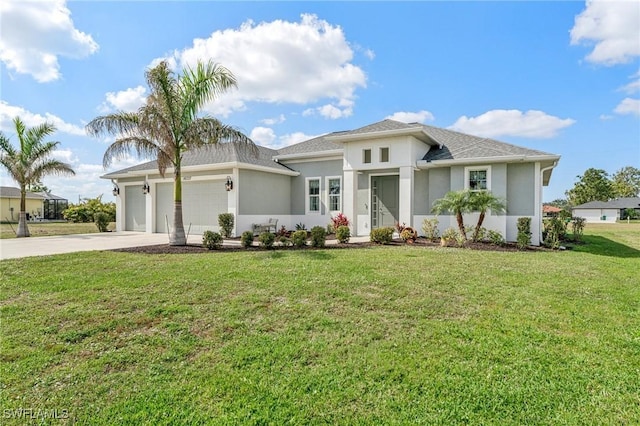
x,y
384,201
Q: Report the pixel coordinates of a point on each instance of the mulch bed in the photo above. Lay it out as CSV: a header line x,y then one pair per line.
x,y
420,242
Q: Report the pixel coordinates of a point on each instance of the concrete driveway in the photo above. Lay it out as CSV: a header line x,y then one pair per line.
x,y
42,246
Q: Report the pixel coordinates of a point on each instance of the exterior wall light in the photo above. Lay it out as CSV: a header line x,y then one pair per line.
x,y
145,188
228,184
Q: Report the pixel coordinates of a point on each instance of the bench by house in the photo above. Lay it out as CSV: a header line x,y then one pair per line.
x,y
270,226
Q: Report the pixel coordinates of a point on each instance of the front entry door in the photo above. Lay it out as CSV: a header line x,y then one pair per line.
x,y
384,201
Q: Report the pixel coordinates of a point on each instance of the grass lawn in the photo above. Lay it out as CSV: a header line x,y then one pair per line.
x,y
385,335
43,229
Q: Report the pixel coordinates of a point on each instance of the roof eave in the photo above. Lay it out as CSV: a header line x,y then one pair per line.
x,y
202,167
424,164
417,132
315,154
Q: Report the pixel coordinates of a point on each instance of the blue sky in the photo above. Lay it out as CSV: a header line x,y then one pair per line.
x,y
560,77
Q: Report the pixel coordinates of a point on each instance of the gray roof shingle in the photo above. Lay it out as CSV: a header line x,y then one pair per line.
x,y
618,203
12,192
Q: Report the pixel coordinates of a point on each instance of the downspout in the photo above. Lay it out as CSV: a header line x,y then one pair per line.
x,y
540,227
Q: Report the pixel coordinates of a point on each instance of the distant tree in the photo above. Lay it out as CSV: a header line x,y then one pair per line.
x,y
561,203
37,187
481,201
626,182
29,163
593,185
456,202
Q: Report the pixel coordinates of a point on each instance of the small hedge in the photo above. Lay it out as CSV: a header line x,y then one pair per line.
x,y
267,239
343,234
246,239
381,235
226,221
212,240
299,238
318,236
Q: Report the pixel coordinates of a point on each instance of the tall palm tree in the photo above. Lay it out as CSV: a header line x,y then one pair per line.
x,y
168,124
456,202
31,162
482,201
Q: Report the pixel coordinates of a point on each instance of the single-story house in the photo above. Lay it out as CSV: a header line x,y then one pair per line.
x,y
606,211
39,205
550,211
376,175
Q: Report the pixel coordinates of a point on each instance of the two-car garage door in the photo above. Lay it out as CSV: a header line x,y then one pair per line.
x,y
202,202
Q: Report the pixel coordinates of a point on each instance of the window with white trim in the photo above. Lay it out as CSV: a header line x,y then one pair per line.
x,y
384,154
313,195
334,188
478,178
366,156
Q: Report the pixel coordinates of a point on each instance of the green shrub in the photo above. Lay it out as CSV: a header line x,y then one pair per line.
x,y
430,228
299,238
461,239
226,222
524,233
87,209
267,239
284,241
212,240
101,220
246,239
318,236
381,235
301,227
481,235
554,231
577,225
449,235
343,234
495,238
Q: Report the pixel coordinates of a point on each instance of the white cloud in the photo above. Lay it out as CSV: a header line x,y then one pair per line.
x,y
605,117
35,33
262,135
628,106
64,155
281,61
531,124
293,138
411,117
634,86
613,27
9,112
128,100
271,121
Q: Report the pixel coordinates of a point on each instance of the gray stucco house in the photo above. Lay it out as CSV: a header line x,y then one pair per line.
x,y
376,175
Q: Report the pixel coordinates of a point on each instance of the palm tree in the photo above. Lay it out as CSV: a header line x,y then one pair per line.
x,y
168,124
31,162
482,201
456,202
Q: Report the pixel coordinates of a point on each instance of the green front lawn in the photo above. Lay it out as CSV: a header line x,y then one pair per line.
x,y
45,229
388,335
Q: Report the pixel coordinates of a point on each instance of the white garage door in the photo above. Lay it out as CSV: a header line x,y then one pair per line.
x,y
134,208
202,202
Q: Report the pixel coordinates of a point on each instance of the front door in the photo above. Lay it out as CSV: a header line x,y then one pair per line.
x,y
384,201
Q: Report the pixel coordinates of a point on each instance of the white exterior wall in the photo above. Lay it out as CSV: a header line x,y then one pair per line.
x,y
595,215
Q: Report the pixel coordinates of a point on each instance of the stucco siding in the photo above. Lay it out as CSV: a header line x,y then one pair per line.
x,y
263,193
597,215
316,169
456,178
33,207
520,189
421,193
439,184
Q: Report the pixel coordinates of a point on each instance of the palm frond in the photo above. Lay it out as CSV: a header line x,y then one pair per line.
x,y
50,167
119,123
119,149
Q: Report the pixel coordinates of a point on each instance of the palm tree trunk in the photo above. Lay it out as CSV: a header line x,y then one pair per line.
x,y
177,237
23,229
478,226
461,225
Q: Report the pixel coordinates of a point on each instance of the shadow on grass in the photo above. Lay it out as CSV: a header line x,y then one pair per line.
x,y
605,247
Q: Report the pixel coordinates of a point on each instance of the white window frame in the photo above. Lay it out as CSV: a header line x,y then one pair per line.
x,y
308,195
388,154
329,195
364,156
467,176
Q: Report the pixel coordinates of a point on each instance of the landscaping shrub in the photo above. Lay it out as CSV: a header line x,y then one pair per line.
x,y
343,234
555,229
381,235
299,238
282,232
480,234
577,225
448,236
284,241
495,238
212,240
267,239
339,220
101,220
430,228
524,233
301,227
226,222
246,239
86,211
318,236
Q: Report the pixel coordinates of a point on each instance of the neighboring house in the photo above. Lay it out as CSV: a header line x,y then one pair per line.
x,y
550,211
606,211
377,175
39,205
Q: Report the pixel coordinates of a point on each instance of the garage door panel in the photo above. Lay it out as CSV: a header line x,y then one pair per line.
x,y
202,202
135,208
